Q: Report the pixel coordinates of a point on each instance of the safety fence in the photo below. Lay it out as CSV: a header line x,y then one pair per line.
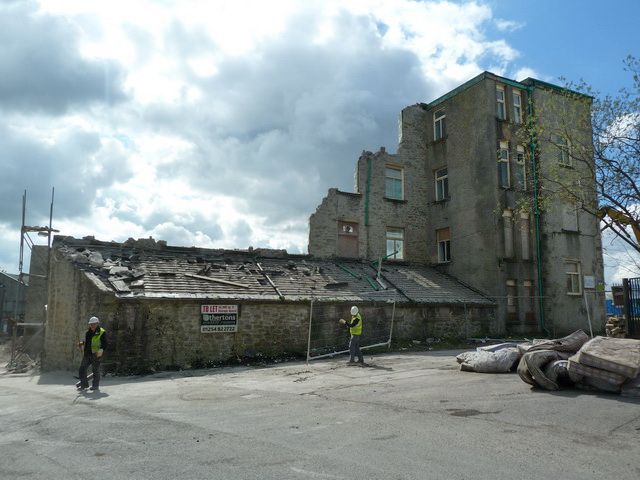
x,y
328,337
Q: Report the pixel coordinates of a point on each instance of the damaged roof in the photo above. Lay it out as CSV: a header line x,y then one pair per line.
x,y
149,269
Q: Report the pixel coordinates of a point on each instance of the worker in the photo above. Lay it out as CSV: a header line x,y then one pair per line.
x,y
355,329
94,345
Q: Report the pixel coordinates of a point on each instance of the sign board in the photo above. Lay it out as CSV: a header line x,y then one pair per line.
x,y
589,281
617,291
218,318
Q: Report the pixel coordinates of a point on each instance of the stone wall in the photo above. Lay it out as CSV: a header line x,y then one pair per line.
x,y
37,291
568,115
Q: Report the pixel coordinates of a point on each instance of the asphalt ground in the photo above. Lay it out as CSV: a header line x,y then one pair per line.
x,y
404,416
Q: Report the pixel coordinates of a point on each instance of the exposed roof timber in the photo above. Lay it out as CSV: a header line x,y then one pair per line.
x,y
217,280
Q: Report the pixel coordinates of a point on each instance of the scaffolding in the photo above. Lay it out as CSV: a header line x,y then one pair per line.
x,y
20,346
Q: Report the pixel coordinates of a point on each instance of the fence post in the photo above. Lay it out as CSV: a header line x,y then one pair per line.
x,y
309,336
393,316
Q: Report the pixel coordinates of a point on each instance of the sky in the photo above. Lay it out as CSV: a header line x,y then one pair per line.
x,y
223,124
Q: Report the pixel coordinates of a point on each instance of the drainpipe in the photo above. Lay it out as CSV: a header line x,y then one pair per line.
x,y
536,208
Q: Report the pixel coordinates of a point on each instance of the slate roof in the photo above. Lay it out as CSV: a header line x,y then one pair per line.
x,y
149,269
14,277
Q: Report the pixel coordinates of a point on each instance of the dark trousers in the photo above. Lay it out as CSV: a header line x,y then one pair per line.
x,y
94,361
354,349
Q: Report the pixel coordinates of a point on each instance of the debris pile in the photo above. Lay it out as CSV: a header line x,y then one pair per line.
x,y
605,364
490,359
616,327
22,363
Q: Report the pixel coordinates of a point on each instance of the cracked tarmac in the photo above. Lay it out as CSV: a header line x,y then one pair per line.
x,y
405,416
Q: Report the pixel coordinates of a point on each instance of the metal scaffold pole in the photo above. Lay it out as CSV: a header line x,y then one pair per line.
x,y
18,318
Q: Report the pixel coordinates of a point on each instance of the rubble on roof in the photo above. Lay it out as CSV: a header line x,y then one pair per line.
x,y
146,268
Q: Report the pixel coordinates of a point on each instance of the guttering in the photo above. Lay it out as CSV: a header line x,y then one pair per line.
x,y
533,82
536,205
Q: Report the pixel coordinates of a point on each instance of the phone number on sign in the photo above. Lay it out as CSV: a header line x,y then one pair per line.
x,y
218,328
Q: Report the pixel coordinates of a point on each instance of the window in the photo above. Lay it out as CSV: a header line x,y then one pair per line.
x,y
502,112
574,286
517,106
443,238
570,217
393,187
395,243
347,239
563,154
525,236
507,225
442,184
512,299
529,300
521,169
439,125
503,165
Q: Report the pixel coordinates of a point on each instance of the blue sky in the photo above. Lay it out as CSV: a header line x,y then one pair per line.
x,y
223,124
575,39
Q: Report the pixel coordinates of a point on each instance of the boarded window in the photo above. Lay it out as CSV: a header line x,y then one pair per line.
x,y
347,239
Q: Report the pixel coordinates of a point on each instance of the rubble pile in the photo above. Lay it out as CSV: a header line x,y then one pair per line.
x,y
607,364
22,363
616,327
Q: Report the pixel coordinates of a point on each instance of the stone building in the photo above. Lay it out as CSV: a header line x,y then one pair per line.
x,y
463,193
171,307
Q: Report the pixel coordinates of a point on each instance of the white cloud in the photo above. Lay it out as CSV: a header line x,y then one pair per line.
x,y
526,72
508,25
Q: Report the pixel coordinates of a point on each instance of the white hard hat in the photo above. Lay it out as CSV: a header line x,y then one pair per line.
x,y
354,310
93,320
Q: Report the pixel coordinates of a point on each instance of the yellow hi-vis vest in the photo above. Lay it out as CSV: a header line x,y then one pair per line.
x,y
357,330
95,340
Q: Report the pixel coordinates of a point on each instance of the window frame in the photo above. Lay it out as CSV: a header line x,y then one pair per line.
x,y
563,154
439,125
441,181
388,178
443,245
504,147
573,278
395,239
529,296
517,106
501,105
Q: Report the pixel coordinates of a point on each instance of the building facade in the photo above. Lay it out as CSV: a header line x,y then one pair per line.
x,y
470,190
172,307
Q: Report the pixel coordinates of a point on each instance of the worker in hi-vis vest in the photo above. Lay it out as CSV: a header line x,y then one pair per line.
x,y
355,329
95,342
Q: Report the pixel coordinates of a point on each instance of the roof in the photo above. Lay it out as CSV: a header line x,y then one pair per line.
x,y
14,277
526,84
149,271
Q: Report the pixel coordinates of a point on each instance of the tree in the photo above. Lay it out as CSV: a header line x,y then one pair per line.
x,y
598,173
